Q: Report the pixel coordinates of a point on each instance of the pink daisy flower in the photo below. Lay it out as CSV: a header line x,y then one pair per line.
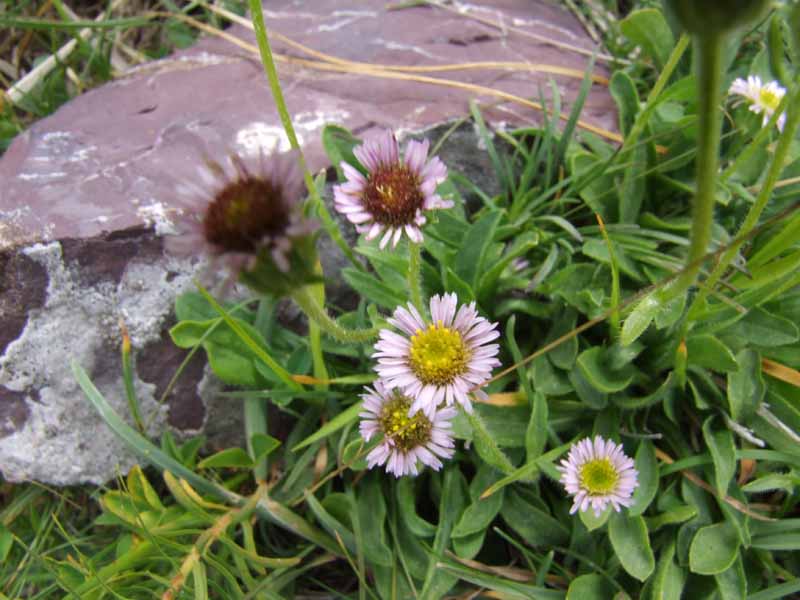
x,y
438,362
407,438
598,473
242,210
394,194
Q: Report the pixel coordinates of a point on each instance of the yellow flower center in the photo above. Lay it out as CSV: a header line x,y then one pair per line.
x,y
438,354
598,476
407,432
769,98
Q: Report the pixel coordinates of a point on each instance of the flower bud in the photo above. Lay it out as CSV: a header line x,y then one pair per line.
x,y
716,16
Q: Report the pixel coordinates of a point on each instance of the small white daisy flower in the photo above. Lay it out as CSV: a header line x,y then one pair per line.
x,y
438,362
762,98
394,194
598,473
407,438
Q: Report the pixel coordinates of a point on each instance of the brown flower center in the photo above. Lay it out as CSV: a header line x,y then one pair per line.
x,y
243,213
392,195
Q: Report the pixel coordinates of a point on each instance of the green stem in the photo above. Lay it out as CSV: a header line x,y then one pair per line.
x,y
751,220
257,16
485,445
317,292
709,77
414,274
317,313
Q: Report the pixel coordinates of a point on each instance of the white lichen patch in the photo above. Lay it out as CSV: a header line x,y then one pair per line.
x,y
259,136
157,214
64,441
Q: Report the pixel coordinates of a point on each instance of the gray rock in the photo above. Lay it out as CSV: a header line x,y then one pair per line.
x,y
88,194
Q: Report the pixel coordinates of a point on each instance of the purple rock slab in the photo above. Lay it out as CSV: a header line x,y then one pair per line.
x,y
87,194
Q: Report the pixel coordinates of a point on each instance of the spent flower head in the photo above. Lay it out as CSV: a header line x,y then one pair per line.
x,y
247,215
440,361
598,473
394,194
762,98
407,438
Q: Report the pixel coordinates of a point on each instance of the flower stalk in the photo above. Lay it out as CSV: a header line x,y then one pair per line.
x,y
709,75
317,313
751,220
414,286
257,16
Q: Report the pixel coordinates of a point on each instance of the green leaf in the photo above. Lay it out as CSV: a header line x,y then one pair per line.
x,y
470,258
761,328
745,386
536,433
707,351
673,516
263,445
593,365
563,356
592,521
639,319
647,467
406,499
437,582
723,452
454,283
372,515
335,424
773,481
778,542
6,542
230,457
732,583
669,577
478,515
631,544
188,334
338,143
372,289
713,549
623,90
191,306
589,395
664,393
537,527
590,587
649,29
350,455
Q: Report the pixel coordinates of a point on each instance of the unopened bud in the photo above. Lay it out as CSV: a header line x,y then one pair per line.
x,y
716,16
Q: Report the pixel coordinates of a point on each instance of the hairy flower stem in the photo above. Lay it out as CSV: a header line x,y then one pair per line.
x,y
486,446
265,50
751,220
317,313
709,47
414,274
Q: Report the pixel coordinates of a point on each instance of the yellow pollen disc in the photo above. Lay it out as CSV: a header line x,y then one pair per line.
x,y
438,355
598,476
407,432
769,99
